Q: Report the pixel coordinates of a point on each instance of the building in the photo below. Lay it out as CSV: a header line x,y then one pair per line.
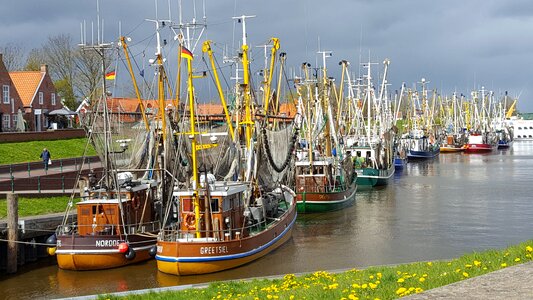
x,y
38,96
10,102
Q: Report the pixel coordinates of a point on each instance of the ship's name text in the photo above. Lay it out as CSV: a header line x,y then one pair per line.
x,y
214,250
107,243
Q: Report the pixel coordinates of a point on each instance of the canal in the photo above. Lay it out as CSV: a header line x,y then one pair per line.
x,y
431,210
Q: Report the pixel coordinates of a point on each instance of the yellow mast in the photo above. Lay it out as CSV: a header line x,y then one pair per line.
x,y
207,48
275,47
137,92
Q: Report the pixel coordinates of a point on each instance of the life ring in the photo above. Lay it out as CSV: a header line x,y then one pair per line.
x,y
190,221
135,202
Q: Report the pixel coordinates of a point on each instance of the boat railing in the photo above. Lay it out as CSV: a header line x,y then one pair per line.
x,y
108,229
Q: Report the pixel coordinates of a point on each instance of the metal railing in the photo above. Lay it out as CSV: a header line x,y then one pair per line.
x,y
110,229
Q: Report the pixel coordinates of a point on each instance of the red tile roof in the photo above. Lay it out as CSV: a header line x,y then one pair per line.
x,y
26,83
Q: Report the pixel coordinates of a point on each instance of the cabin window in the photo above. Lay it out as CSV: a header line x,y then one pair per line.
x,y
5,94
214,205
530,127
85,212
41,98
187,205
94,209
110,211
227,204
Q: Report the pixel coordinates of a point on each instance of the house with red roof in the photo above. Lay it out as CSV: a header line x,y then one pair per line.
x,y
10,102
38,96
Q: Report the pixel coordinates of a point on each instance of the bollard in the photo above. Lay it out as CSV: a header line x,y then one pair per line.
x,y
61,165
12,233
11,170
12,183
39,184
63,183
29,170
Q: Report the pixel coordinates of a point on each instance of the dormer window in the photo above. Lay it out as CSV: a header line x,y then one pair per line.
x,y
5,94
41,98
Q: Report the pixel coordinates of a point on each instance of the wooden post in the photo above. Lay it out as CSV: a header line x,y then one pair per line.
x,y
12,233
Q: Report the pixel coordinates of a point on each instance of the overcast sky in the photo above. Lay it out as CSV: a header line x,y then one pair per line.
x,y
456,45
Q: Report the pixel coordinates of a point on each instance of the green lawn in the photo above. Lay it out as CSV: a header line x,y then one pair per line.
x,y
29,151
385,282
37,206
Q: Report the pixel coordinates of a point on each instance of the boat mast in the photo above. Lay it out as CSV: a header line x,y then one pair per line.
x,y
325,101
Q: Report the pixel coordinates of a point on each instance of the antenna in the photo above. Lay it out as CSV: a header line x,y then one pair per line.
x,y
242,19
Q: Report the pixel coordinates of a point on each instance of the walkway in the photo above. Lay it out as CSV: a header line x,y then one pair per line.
x,y
509,283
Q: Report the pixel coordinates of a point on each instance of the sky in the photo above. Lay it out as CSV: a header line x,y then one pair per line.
x,y
455,45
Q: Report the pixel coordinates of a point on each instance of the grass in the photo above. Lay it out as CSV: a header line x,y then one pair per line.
x,y
36,206
11,153
387,282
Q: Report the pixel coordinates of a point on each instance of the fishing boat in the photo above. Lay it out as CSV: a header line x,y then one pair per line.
x,y
119,215
480,142
227,222
325,180
420,146
452,143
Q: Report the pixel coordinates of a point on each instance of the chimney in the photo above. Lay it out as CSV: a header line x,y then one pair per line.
x,y
44,68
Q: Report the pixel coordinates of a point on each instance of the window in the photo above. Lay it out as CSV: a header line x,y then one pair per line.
x,y
41,98
5,94
6,121
15,121
53,99
46,122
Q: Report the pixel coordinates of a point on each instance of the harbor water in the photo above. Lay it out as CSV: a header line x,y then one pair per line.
x,y
437,209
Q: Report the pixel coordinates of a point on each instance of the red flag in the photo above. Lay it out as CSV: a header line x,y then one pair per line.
x,y
110,76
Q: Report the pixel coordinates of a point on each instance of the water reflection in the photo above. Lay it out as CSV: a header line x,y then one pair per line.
x,y
435,209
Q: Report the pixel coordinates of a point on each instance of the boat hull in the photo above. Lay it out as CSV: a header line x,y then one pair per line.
x,y
374,177
197,256
413,154
314,202
478,148
82,253
451,149
399,163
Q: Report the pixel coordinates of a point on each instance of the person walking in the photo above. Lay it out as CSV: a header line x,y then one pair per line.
x,y
45,155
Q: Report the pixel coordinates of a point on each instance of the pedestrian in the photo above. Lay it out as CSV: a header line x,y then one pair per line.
x,y
45,155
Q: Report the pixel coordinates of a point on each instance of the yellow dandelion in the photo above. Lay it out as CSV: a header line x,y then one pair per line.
x,y
399,272
401,291
379,275
425,275
465,274
371,277
356,286
422,279
468,266
477,263
457,270
503,265
506,254
291,297
484,268
419,290
449,264
372,285
528,255
529,249
430,263
269,296
377,299
353,297
517,259
400,280
364,286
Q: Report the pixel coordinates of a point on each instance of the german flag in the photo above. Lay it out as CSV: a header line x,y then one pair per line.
x,y
185,53
110,76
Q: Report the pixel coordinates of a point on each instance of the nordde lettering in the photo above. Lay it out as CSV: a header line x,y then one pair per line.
x,y
107,243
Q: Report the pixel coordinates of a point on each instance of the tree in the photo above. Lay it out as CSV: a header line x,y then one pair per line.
x,y
12,56
34,60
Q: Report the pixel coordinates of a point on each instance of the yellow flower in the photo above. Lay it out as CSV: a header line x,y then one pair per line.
x,y
401,290
371,277
418,290
477,263
468,266
356,286
353,297
364,286
333,286
517,259
291,297
425,275
529,249
377,299
400,280
269,296
528,255
465,274
430,263
504,265
422,279
379,275
372,285
457,270
398,272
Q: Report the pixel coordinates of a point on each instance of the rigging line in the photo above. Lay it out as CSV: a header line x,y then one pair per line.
x,y
136,27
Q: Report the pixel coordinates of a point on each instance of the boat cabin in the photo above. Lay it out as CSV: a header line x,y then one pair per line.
x,y
315,178
221,208
104,212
